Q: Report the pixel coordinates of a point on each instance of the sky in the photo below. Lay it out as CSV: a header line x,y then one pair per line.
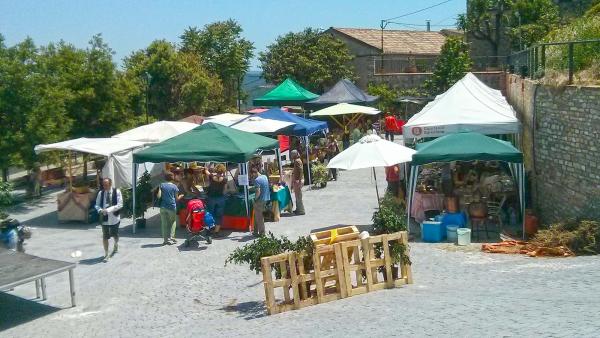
x,y
129,25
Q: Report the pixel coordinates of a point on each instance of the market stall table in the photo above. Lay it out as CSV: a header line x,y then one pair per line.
x,y
74,206
19,268
424,202
281,200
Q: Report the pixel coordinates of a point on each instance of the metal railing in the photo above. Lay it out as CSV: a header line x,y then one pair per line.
x,y
535,61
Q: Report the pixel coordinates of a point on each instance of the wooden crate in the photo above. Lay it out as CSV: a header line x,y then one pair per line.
x,y
340,270
346,233
365,272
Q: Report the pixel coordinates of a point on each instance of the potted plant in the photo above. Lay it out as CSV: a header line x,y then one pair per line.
x,y
143,200
390,218
320,175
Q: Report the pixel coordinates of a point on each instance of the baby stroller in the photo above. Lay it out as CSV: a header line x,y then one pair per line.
x,y
200,222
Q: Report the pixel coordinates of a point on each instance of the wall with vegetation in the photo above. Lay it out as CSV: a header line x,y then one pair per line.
x,y
561,129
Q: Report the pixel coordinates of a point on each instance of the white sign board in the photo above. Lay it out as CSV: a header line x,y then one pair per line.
x,y
243,180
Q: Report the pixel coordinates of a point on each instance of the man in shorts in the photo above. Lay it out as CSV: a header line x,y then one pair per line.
x,y
109,203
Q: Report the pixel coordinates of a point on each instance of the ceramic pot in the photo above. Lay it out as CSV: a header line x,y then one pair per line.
x,y
478,210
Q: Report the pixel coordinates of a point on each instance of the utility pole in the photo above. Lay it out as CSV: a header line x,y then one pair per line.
x,y
383,25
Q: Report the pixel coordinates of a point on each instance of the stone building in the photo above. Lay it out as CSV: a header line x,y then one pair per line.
x,y
405,59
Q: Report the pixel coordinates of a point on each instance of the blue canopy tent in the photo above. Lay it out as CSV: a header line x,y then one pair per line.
x,y
302,128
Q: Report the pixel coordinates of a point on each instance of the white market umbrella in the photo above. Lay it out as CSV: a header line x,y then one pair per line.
x,y
255,124
156,132
369,152
346,109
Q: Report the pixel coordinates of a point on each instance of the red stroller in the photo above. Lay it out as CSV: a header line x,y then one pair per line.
x,y
199,222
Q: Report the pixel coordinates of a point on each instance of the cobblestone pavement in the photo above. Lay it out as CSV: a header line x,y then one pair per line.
x,y
153,291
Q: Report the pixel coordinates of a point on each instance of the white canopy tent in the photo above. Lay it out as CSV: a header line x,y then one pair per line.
x,y
255,124
156,132
468,106
225,119
117,151
344,109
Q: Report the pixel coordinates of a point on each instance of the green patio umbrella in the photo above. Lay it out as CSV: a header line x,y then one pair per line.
x,y
286,93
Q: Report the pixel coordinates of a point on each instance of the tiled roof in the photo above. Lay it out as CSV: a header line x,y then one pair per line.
x,y
398,41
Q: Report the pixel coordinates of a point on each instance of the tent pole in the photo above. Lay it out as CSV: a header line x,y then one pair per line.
x,y
133,185
338,122
70,173
278,154
376,188
246,195
522,195
307,161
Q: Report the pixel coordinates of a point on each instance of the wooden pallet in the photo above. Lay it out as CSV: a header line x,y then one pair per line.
x,y
346,233
338,271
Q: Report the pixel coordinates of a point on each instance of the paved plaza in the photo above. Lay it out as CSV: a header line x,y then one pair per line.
x,y
148,290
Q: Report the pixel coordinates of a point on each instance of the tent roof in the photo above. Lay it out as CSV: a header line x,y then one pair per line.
x,y
96,146
344,91
197,119
345,108
156,132
258,124
225,119
302,126
208,142
286,93
468,106
466,147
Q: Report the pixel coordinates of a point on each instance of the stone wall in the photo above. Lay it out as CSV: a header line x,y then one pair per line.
x,y
561,129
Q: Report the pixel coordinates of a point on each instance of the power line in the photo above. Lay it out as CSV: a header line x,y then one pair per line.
x,y
417,25
417,11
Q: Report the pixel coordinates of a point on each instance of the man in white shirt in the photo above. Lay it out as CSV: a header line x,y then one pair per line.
x,y
109,203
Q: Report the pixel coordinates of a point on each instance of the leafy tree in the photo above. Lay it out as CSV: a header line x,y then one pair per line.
x,y
179,85
387,96
222,51
522,21
531,20
314,59
454,61
485,20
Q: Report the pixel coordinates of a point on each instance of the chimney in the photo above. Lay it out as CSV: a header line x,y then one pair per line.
x,y
428,25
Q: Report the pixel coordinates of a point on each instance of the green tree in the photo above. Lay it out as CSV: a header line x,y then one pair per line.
x,y
179,84
222,51
531,20
314,59
454,61
387,96
485,20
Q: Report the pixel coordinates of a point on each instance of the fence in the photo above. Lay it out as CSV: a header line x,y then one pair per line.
x,y
296,280
420,64
569,56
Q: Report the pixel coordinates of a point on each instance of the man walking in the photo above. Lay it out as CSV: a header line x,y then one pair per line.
x,y
262,196
168,195
109,203
298,182
391,126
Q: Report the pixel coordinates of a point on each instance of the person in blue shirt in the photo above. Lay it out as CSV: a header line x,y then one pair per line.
x,y
263,195
168,193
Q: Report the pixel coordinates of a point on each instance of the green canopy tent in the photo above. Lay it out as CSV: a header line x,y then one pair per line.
x,y
468,147
287,93
209,142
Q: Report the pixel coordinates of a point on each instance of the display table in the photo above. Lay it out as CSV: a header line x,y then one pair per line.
x,y
235,217
19,268
74,206
281,200
425,201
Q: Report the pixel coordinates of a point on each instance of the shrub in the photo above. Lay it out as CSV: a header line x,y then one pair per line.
x,y
320,174
265,246
143,196
582,237
5,198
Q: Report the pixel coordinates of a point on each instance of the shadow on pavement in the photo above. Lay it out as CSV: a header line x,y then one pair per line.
x,y
247,310
16,311
50,220
91,261
194,246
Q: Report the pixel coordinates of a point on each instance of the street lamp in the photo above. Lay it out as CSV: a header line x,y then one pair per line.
x,y
148,79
